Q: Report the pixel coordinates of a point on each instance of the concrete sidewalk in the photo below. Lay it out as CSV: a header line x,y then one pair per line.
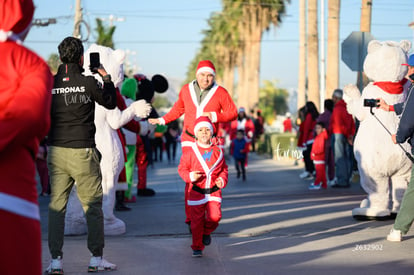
x,y
272,224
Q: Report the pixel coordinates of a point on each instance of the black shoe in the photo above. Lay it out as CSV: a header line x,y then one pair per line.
x,y
147,192
238,174
122,207
206,239
244,177
197,253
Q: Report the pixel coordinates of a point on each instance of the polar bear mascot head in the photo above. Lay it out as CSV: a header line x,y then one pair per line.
x,y
383,166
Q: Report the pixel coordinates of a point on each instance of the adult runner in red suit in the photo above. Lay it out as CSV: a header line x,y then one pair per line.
x,y
201,97
25,97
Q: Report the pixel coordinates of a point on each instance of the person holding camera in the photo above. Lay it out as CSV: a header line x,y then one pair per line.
x,y
73,156
342,129
405,132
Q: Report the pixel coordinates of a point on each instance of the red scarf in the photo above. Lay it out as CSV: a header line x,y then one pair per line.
x,y
394,88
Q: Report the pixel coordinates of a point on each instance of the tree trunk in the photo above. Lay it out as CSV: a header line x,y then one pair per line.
x,y
332,64
313,53
301,100
366,11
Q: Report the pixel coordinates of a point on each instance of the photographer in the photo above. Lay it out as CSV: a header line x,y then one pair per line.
x,y
405,131
73,156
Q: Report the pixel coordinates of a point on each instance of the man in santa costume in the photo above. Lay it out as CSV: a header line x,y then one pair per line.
x,y
203,167
201,97
25,96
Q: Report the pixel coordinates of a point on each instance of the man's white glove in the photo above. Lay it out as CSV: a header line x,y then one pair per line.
x,y
141,108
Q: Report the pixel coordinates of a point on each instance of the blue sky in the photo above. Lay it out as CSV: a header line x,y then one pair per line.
x,y
162,36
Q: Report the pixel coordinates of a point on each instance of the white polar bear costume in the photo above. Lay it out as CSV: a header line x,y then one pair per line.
x,y
109,145
384,168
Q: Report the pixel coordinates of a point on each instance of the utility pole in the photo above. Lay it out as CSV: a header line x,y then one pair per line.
x,y
77,19
322,57
302,77
365,26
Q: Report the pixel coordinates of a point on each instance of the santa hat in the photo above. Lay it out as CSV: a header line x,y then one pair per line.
x,y
203,121
241,109
15,18
206,66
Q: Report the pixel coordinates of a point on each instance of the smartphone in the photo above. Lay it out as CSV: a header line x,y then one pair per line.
x,y
94,61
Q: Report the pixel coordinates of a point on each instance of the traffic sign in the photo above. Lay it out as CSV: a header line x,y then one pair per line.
x,y
354,50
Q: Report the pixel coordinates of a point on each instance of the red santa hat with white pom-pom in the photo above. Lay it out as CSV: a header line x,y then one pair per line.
x,y
203,121
206,66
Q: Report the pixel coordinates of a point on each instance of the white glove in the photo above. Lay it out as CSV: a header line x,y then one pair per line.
x,y
144,129
141,108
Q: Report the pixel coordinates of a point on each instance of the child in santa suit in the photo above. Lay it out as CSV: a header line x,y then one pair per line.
x,y
204,169
318,157
25,98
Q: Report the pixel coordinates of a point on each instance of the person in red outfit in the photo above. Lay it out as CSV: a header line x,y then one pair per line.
x,y
203,167
287,124
201,97
25,97
311,114
318,157
342,128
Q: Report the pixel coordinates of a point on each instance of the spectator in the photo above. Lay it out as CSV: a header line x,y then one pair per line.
x,y
311,114
41,166
258,128
73,155
325,118
25,97
171,138
287,124
342,128
318,157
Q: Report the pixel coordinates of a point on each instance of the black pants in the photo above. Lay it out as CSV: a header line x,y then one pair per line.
x,y
309,166
240,163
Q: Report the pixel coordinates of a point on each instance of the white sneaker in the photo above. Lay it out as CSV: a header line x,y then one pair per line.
x,y
55,267
304,174
395,235
332,182
100,264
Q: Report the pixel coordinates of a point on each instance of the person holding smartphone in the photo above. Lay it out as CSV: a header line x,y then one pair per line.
x,y
73,156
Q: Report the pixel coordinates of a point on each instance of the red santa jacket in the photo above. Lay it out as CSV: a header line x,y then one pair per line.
x,y
210,161
308,127
25,98
246,124
217,101
318,147
341,121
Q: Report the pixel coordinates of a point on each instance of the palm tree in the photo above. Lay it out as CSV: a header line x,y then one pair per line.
x,y
302,55
256,17
332,65
313,53
105,35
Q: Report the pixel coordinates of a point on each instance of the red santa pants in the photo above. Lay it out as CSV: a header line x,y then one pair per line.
x,y
20,245
320,174
142,163
204,220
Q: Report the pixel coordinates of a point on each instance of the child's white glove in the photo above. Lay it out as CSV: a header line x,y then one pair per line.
x,y
141,108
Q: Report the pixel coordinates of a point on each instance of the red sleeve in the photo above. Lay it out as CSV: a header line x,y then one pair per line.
x,y
228,108
132,125
223,172
178,108
184,168
308,127
318,147
25,100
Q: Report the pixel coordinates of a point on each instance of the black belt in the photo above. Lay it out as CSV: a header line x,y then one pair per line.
x,y
205,190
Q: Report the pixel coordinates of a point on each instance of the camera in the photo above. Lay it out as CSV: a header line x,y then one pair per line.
x,y
95,63
371,102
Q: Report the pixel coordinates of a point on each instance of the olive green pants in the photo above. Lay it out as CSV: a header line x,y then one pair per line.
x,y
67,166
405,216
